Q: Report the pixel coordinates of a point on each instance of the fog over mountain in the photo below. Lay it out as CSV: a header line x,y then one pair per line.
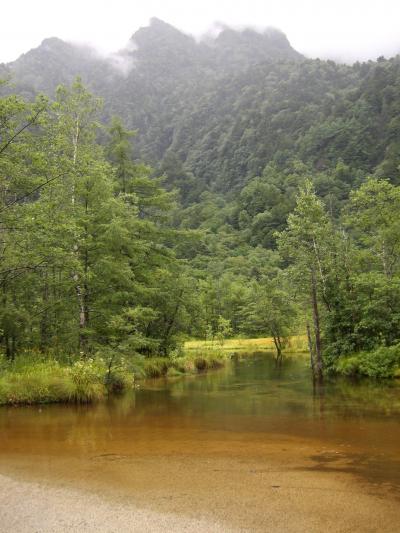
x,y
341,30
225,106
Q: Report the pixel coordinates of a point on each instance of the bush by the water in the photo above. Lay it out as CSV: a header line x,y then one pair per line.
x,y
178,364
202,363
384,362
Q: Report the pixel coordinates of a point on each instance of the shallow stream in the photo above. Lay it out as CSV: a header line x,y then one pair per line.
x,y
202,444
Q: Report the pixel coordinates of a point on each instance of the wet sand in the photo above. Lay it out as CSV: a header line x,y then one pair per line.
x,y
37,507
289,485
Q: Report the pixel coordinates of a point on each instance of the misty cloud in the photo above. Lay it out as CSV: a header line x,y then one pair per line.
x,y
340,30
123,61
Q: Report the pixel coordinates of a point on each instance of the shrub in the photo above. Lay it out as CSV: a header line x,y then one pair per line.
x,y
384,362
118,377
152,371
381,363
215,362
348,366
156,367
174,372
88,377
118,380
201,364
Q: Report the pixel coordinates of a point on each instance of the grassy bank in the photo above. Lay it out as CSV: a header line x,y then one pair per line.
x,y
38,380
200,355
295,344
34,379
195,361
29,381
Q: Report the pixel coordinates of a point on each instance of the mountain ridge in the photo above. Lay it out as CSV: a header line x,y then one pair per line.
x,y
226,107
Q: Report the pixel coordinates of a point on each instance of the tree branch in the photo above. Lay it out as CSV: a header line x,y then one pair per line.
x,y
12,139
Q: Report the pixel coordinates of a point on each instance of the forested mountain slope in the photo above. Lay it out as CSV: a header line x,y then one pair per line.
x,y
226,106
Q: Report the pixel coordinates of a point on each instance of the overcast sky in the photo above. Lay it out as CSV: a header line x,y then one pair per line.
x,y
340,29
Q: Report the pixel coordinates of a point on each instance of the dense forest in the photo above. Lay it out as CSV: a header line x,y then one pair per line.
x,y
245,190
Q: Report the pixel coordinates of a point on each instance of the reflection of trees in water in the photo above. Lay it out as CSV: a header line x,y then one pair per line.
x,y
318,398
362,398
259,386
349,398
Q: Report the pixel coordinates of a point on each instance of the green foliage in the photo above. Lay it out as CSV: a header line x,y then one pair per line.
x,y
88,259
224,330
270,311
214,114
384,362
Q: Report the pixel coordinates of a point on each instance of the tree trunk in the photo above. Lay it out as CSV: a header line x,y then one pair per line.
x,y
169,325
278,346
82,293
44,322
311,348
83,319
317,330
9,354
82,323
13,347
78,288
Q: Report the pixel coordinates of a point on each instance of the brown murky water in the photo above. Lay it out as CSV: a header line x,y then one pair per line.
x,y
253,445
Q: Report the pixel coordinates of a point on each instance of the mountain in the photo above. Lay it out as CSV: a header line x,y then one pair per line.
x,y
54,62
157,50
214,113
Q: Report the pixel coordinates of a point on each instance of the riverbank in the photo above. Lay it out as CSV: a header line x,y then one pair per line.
x,y
35,379
28,381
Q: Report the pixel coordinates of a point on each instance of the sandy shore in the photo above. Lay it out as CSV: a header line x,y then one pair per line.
x,y
37,507
197,494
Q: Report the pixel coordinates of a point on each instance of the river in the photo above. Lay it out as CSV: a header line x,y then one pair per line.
x,y
251,447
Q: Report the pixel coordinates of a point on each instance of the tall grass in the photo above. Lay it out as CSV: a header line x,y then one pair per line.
x,y
184,363
294,344
28,381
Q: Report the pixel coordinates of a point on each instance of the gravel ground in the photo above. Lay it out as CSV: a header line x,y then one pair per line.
x,y
34,507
